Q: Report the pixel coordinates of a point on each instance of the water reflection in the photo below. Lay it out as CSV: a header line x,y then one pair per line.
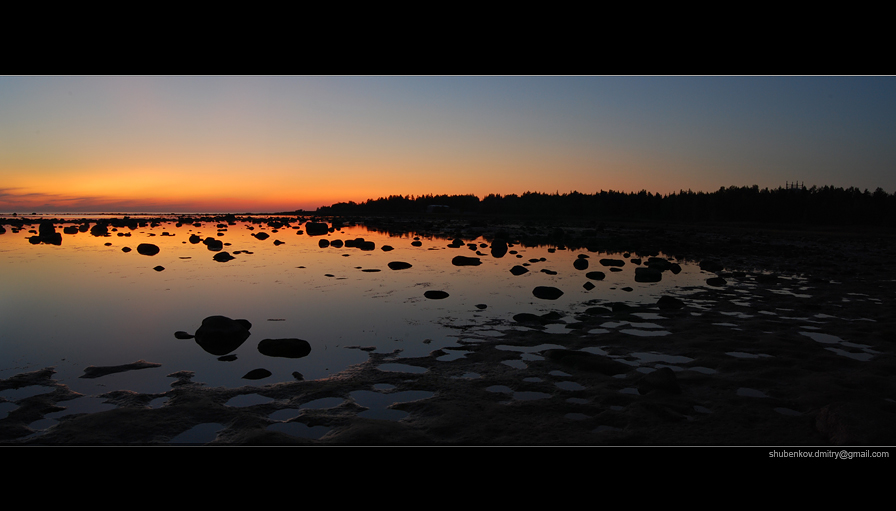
x,y
88,301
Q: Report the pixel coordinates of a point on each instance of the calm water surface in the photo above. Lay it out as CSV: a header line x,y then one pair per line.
x,y
87,302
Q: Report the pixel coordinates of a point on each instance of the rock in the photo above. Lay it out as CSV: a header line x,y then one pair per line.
x,y
466,261
317,228
663,379
647,274
399,265
596,275
585,361
323,243
612,262
716,281
336,243
219,335
125,249
519,270
547,292
99,230
223,257
669,303
435,295
711,266
481,306
147,249
261,236
286,348
96,372
387,248
499,248
580,264
159,268
588,286
180,334
194,239
257,374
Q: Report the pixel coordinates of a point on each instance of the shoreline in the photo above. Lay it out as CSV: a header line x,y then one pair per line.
x,y
736,368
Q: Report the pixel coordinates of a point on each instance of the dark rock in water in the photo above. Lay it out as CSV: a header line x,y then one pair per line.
x,y
223,257
499,248
180,334
366,245
323,243
658,263
596,275
386,248
466,261
620,307
580,264
261,235
219,335
547,292
125,249
585,361
147,249
518,270
286,348
213,244
96,372
716,281
317,228
481,306
70,229
46,234
675,268
663,379
435,295
612,262
456,243
399,265
338,244
588,286
277,243
99,230
647,274
417,243
527,318
159,268
711,266
194,239
257,374
298,376
549,272
669,303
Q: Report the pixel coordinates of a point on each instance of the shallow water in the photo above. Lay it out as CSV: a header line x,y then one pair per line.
x,y
87,302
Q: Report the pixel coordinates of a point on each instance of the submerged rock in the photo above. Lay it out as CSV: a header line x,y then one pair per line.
x,y
435,295
286,348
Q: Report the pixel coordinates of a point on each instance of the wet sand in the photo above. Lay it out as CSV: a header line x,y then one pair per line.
x,y
794,346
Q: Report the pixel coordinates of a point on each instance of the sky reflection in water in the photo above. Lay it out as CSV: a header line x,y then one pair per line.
x,y
85,303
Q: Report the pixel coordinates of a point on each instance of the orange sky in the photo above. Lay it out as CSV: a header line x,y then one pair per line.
x,y
190,144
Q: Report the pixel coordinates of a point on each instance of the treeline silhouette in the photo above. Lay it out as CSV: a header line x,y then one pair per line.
x,y
825,205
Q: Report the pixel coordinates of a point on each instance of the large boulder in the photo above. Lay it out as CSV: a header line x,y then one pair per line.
x,y
147,249
286,348
220,335
547,292
316,228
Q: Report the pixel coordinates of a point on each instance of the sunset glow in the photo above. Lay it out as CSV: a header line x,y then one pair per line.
x,y
216,144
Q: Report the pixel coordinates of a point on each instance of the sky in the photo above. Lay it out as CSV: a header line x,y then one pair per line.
x,y
160,144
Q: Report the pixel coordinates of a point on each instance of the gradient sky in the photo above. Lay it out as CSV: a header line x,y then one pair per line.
x,y
272,143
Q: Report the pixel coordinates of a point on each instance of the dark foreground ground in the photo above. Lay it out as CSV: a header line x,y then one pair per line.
x,y
737,368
